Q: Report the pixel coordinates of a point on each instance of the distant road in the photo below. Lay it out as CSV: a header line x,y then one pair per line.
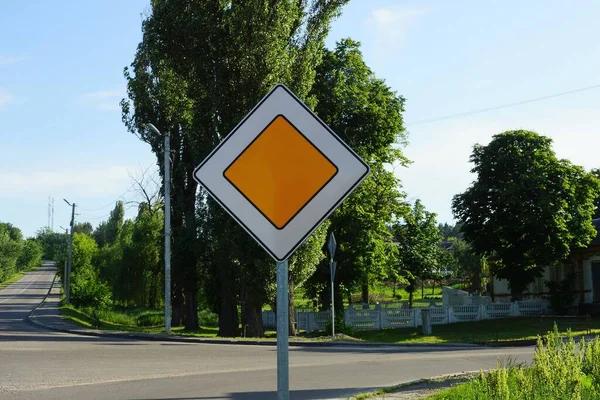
x,y
45,365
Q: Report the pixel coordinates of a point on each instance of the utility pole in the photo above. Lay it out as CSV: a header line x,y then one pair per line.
x,y
167,166
70,263
66,262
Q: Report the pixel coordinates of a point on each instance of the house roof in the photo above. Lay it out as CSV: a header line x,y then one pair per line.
x,y
596,241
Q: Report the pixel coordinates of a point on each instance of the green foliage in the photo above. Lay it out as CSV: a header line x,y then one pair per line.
x,y
561,294
83,227
201,66
470,264
561,370
87,290
596,173
526,206
54,244
367,115
11,247
31,255
418,245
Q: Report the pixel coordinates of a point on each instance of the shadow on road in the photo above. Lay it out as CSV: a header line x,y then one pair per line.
x,y
322,394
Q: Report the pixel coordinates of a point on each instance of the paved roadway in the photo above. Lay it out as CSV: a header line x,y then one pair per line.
x,y
40,364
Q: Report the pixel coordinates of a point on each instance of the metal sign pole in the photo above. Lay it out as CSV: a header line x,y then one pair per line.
x,y
283,378
332,301
331,245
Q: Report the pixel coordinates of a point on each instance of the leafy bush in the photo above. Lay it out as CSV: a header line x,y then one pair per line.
x,y
208,318
88,291
561,294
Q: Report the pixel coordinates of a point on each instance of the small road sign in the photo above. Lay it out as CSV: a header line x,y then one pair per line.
x,y
281,172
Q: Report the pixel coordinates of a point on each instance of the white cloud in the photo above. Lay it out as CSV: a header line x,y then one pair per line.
x,y
4,60
76,182
391,25
5,98
106,100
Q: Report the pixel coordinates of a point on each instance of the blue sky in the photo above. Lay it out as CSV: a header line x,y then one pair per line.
x,y
61,79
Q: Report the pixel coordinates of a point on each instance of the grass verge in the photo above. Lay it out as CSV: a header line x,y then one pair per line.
x,y
561,369
479,332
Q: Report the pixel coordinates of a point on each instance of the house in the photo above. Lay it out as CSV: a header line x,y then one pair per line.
x,y
587,268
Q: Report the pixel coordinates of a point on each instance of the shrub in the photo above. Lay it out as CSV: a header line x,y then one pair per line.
x,y
88,291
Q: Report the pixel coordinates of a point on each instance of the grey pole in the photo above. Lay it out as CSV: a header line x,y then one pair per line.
x,y
167,166
332,301
66,262
331,245
70,263
283,378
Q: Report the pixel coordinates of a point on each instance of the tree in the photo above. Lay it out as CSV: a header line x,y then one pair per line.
x,y
31,255
367,115
115,222
418,246
596,173
87,290
449,232
11,246
201,66
526,207
469,264
83,227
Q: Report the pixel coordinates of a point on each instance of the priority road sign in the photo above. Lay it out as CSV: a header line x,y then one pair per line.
x,y
281,172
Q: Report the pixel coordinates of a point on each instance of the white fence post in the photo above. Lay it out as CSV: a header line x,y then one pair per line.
x,y
451,318
483,312
514,309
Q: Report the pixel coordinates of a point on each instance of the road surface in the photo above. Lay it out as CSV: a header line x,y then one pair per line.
x,y
40,364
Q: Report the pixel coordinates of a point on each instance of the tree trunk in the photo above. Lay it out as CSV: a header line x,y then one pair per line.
x,y
410,299
422,289
365,293
252,324
176,306
191,309
433,288
228,316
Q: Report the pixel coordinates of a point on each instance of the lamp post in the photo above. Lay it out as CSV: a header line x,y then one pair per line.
x,y
66,262
70,262
167,166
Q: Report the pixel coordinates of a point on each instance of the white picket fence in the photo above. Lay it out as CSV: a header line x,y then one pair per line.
x,y
363,318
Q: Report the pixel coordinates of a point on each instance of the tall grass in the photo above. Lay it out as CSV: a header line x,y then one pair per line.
x,y
561,370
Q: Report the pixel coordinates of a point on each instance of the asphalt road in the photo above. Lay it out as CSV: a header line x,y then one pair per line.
x,y
40,364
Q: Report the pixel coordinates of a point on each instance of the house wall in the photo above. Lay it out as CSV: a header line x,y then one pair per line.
x,y
536,289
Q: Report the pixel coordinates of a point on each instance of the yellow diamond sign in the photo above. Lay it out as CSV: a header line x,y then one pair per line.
x,y
281,172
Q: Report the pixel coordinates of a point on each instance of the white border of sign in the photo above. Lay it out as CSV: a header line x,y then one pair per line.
x,y
281,243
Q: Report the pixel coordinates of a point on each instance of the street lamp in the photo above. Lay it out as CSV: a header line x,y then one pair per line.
x,y
167,166
70,262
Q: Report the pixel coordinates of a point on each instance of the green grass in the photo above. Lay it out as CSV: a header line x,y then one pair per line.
x,y
17,276
560,370
12,279
486,331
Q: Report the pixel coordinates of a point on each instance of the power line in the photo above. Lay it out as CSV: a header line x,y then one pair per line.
x,y
482,110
